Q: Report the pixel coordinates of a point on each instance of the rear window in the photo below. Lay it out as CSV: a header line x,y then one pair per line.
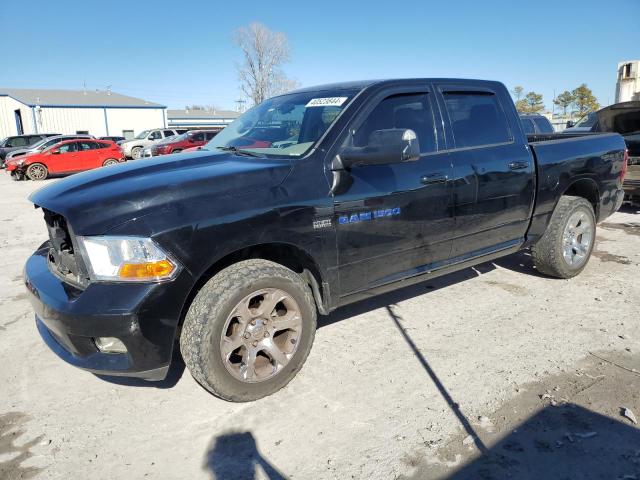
x,y
527,125
544,125
476,119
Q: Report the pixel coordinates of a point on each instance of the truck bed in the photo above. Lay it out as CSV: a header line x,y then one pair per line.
x,y
595,159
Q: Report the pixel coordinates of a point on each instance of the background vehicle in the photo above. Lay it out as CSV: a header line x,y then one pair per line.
x,y
113,139
535,123
347,191
44,144
69,156
192,138
133,148
622,118
10,144
585,124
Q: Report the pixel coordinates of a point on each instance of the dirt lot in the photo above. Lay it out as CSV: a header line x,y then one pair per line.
x,y
487,373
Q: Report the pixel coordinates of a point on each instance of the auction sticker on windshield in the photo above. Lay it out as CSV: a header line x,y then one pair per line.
x,y
326,102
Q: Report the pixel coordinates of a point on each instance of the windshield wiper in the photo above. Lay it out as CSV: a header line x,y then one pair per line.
x,y
239,151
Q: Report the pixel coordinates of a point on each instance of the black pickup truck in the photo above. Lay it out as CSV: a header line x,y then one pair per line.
x,y
307,202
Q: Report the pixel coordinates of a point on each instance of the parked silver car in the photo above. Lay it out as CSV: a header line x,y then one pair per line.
x,y
133,148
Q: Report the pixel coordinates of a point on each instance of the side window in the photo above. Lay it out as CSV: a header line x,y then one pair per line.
x,y
198,137
17,142
527,125
476,119
168,133
68,147
409,111
88,145
544,126
34,139
102,145
155,135
209,135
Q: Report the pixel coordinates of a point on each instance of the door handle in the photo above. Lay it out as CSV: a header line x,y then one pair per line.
x,y
433,178
518,165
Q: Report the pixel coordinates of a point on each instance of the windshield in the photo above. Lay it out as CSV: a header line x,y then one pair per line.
x,y
287,125
143,135
587,121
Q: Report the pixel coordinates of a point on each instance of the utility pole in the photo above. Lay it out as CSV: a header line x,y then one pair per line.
x,y
240,102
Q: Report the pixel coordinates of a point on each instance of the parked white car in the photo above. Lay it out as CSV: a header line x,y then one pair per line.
x,y
133,148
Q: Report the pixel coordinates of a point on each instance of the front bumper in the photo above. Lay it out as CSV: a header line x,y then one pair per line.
x,y
143,316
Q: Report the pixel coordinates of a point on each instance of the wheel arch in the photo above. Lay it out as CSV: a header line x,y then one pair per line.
x,y
588,189
285,254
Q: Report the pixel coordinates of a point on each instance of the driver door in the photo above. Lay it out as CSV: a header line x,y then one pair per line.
x,y
395,220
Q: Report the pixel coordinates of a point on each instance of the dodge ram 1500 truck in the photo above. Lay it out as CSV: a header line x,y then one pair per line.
x,y
307,202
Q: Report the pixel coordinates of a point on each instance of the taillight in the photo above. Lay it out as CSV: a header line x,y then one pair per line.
x,y
625,164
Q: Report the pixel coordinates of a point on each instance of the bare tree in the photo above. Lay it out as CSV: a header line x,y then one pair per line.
x,y
264,53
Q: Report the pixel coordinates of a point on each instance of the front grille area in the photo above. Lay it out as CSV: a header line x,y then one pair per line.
x,y
63,259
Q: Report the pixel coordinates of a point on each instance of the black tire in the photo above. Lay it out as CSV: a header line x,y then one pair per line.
x,y
208,313
37,171
548,251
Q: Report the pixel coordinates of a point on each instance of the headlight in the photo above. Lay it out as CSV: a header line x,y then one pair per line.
x,y
20,163
127,259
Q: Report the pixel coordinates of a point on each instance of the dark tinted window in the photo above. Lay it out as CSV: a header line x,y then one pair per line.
x,y
168,133
209,135
198,137
103,145
411,111
34,139
543,124
476,119
527,125
155,136
16,142
68,147
88,145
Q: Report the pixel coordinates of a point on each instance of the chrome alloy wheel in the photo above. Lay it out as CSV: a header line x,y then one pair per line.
x,y
577,238
261,335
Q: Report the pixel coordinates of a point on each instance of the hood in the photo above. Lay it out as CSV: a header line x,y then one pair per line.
x,y
98,200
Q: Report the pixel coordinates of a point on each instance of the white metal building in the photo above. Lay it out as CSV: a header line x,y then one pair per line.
x,y
96,112
628,84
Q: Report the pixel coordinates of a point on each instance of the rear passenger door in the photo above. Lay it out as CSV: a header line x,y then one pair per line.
x,y
493,170
396,219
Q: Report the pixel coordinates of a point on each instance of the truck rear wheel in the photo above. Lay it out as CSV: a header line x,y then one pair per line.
x,y
565,248
249,330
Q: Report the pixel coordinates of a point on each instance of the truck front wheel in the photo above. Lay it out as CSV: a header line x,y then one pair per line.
x,y
249,330
565,248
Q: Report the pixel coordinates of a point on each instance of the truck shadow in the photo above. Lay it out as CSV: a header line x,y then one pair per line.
x,y
235,456
568,441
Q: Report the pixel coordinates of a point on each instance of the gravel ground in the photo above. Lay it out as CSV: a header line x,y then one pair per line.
x,y
426,382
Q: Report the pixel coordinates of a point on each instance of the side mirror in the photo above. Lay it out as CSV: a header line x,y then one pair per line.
x,y
570,123
395,145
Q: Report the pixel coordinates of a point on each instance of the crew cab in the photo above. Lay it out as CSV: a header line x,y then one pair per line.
x,y
133,148
307,202
192,138
68,156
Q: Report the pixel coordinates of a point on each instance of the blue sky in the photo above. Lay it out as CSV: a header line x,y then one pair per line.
x,y
178,53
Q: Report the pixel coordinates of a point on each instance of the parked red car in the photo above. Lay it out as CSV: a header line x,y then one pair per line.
x,y
69,156
192,138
